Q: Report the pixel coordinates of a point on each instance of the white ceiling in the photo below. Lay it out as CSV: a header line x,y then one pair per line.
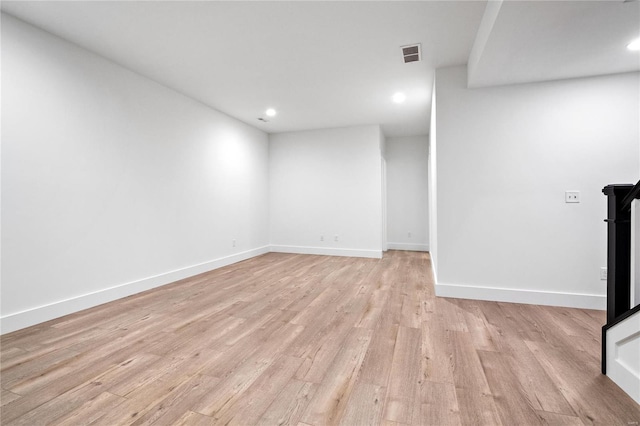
x,y
333,64
551,40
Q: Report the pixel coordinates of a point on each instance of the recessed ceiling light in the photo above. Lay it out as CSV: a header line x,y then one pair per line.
x,y
399,97
270,112
634,45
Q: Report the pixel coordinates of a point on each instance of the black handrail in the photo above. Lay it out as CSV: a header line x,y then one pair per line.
x,y
619,199
633,194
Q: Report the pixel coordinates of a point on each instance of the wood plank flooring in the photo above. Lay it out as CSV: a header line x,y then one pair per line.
x,y
301,340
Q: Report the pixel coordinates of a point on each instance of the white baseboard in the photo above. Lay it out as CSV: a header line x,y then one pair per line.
x,y
531,297
327,251
408,246
29,317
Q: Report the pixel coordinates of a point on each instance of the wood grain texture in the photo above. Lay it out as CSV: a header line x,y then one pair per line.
x,y
439,405
404,380
285,339
289,405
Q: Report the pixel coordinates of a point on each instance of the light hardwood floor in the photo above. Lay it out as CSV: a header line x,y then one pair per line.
x,y
311,340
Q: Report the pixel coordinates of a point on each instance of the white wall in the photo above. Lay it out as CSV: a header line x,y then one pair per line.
x,y
505,157
407,193
433,186
111,183
383,183
326,183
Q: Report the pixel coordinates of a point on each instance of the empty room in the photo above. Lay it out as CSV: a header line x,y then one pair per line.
x,y
317,213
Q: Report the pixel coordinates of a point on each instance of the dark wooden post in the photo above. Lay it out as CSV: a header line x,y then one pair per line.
x,y
618,251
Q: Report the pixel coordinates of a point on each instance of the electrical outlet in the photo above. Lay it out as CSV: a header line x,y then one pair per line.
x,y
234,242
335,238
603,273
409,234
321,237
572,196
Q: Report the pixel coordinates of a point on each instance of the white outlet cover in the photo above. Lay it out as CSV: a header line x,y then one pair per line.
x,y
572,196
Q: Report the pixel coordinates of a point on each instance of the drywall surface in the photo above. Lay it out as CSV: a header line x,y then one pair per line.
x,y
326,185
111,183
407,193
506,155
383,152
433,187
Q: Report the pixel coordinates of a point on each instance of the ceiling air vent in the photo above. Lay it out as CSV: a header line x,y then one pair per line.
x,y
411,53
